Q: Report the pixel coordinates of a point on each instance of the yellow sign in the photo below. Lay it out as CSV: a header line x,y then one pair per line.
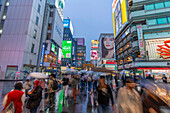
x,y
119,11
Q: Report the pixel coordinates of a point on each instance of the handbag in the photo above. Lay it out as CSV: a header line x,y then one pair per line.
x,y
10,108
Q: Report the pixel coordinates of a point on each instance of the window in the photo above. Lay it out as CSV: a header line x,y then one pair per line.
x,y
167,4
48,36
39,8
149,7
35,34
37,19
51,14
49,26
32,48
168,19
152,22
159,5
162,20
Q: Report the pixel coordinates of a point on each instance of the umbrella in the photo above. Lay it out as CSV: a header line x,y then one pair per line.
x,y
101,69
37,75
50,70
83,71
90,72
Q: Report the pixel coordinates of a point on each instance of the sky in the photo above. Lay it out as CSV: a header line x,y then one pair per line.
x,y
89,19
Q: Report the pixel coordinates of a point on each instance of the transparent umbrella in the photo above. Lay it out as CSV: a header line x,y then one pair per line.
x,y
38,75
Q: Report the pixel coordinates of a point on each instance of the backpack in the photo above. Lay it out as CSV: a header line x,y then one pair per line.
x,y
55,85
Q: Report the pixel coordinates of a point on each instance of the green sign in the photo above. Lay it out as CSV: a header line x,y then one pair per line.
x,y
53,49
66,49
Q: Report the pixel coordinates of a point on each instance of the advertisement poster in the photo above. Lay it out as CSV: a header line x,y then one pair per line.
x,y
66,49
42,54
141,42
108,47
59,56
94,44
120,15
158,49
94,54
80,41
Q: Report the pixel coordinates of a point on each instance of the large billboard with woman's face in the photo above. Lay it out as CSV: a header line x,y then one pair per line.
x,y
108,47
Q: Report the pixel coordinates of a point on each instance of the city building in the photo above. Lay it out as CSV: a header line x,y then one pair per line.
x,y
106,51
20,34
80,52
67,46
51,55
142,35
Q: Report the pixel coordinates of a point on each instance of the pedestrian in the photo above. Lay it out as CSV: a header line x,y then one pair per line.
x,y
164,78
149,78
51,90
128,100
74,83
17,97
35,97
89,84
124,79
65,82
27,86
104,93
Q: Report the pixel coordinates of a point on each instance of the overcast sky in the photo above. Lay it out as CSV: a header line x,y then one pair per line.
x,y
89,19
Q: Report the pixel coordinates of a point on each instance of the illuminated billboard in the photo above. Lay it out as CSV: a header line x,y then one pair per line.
x,y
68,24
59,56
108,47
80,41
66,49
94,44
94,54
53,49
120,15
158,49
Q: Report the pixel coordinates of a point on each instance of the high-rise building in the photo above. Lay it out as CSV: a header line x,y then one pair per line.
x,y
68,41
80,57
20,35
142,35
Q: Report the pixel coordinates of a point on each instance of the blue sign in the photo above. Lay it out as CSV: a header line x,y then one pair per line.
x,y
66,23
42,54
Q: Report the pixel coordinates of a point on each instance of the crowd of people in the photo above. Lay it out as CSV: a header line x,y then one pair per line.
x,y
128,99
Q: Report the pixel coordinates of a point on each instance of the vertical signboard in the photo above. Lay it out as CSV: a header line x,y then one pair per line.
x,y
80,41
141,41
60,4
66,49
59,56
42,54
94,54
94,44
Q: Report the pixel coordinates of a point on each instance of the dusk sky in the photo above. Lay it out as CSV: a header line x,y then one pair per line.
x,y
89,19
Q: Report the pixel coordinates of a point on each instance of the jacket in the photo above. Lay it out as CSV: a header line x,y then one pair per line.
x,y
50,86
73,83
17,97
35,98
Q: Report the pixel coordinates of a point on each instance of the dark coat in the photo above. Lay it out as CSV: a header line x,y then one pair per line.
x,y
35,98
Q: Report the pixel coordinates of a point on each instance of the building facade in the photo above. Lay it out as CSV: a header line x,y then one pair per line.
x,y
20,34
142,43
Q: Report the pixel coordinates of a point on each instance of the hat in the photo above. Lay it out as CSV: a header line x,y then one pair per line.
x,y
37,83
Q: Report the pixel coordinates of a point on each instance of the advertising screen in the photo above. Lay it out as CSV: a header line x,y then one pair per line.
x,y
59,56
158,49
66,49
66,23
80,41
42,54
119,11
53,49
108,47
94,54
94,44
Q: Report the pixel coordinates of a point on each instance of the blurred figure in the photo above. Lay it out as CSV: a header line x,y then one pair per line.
x,y
74,83
89,84
65,82
104,95
17,97
149,77
164,78
27,86
51,90
124,79
35,97
128,100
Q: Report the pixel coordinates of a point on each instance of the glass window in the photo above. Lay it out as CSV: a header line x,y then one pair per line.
x,y
39,8
35,34
32,48
152,22
168,19
162,21
167,4
51,14
37,19
149,7
159,5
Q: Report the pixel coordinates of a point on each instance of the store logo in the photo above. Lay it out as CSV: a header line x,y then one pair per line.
x,y
60,4
164,50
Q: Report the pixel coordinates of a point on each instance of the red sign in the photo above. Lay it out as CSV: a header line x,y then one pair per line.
x,y
111,62
164,50
53,65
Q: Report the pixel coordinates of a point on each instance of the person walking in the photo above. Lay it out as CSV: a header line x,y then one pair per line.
x,y
104,93
17,97
164,78
51,90
74,83
27,86
65,82
128,100
89,84
35,97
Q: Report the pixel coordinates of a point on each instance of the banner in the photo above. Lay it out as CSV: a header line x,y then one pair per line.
x,y
94,44
94,54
